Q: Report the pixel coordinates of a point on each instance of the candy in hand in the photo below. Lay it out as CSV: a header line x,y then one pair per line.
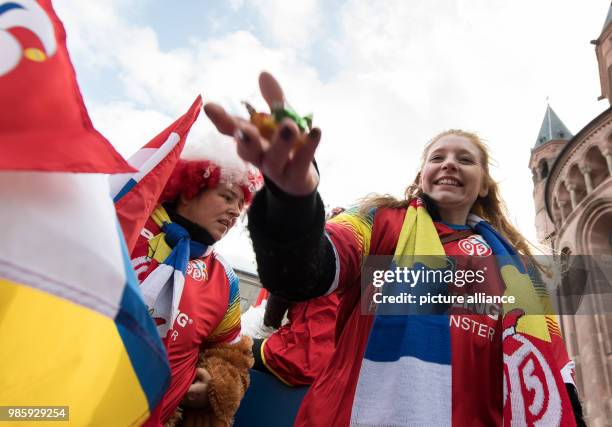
x,y
280,112
267,123
263,122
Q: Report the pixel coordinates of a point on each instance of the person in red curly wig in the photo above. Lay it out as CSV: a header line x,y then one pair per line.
x,y
191,292
208,171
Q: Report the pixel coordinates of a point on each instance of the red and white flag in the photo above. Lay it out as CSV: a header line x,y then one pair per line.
x,y
136,195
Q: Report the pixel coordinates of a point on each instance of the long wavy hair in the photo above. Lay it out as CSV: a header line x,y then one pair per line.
x,y
491,207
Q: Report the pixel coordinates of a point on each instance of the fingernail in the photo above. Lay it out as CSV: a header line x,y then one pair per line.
x,y
286,134
241,136
315,134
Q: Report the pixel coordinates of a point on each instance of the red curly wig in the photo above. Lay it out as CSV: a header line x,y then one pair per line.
x,y
192,176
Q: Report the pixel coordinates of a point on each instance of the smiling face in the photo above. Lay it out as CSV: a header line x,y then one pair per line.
x,y
453,176
214,209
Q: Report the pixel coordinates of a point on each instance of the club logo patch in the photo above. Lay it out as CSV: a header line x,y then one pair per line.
x,y
197,270
475,246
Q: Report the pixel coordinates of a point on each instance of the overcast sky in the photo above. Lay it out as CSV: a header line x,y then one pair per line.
x,y
381,77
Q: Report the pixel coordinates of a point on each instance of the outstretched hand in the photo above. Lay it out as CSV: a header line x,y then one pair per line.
x,y
287,157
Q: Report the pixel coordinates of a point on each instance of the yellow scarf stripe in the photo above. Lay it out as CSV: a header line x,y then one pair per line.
x,y
419,237
160,216
158,248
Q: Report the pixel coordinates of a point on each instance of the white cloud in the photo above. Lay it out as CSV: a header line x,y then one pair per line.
x,y
126,127
292,24
224,68
236,4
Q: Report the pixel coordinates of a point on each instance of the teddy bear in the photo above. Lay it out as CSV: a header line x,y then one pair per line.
x,y
228,366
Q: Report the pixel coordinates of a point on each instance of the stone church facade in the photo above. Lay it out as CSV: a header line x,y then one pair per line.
x,y
573,201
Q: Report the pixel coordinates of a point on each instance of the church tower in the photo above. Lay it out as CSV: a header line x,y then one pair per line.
x,y
552,137
603,50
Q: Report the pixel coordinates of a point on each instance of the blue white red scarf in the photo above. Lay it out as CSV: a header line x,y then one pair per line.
x,y
172,248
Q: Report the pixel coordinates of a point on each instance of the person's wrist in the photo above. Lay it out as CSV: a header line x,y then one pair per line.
x,y
305,188
313,179
284,196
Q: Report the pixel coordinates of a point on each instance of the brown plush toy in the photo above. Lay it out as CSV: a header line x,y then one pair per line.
x,y
228,366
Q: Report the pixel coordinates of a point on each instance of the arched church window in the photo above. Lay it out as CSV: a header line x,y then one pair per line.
x,y
543,169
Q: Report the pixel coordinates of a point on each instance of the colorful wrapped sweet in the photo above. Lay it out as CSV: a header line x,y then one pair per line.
x,y
267,123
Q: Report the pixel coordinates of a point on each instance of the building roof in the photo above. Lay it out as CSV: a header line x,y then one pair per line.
x,y
552,129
